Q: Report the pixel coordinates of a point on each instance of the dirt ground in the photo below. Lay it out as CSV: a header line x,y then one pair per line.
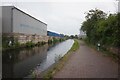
x,y
88,63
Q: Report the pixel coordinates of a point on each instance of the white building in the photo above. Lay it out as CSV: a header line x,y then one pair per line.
x,y
22,25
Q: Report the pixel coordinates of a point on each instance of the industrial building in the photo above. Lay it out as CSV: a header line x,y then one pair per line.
x,y
52,35
49,33
22,26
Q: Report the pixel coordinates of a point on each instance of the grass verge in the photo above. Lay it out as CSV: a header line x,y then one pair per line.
x,y
49,75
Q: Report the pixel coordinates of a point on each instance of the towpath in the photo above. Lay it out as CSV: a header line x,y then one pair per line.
x,y
88,63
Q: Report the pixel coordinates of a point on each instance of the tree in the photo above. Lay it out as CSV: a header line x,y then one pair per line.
x,y
90,25
102,28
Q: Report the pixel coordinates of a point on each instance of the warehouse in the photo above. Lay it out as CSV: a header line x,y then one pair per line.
x,y
54,35
49,33
22,26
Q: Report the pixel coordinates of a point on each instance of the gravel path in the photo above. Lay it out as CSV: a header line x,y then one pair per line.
x,y
88,63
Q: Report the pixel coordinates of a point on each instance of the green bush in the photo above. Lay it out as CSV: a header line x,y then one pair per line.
x,y
101,28
49,41
30,44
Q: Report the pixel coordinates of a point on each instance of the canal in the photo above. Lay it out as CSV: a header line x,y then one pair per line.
x,y
22,62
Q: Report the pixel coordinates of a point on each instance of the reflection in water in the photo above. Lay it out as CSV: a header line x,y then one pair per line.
x,y
59,50
20,63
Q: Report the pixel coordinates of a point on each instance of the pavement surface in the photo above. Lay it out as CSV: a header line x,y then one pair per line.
x,y
88,63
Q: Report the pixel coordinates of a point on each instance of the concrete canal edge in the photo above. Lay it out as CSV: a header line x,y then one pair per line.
x,y
48,74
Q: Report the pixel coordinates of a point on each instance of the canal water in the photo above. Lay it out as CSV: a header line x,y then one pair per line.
x,y
20,63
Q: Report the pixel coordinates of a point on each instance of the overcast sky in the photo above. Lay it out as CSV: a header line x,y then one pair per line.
x,y
63,16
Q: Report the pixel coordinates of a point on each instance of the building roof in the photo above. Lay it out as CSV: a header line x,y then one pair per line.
x,y
28,14
49,33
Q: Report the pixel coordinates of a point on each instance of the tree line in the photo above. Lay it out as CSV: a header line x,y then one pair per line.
x,y
102,28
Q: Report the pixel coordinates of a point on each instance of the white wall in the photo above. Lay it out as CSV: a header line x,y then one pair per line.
x,y
23,23
6,19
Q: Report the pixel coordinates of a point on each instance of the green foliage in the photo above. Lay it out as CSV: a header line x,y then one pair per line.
x,y
49,41
55,40
30,44
101,28
61,39
40,43
75,46
5,42
74,37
